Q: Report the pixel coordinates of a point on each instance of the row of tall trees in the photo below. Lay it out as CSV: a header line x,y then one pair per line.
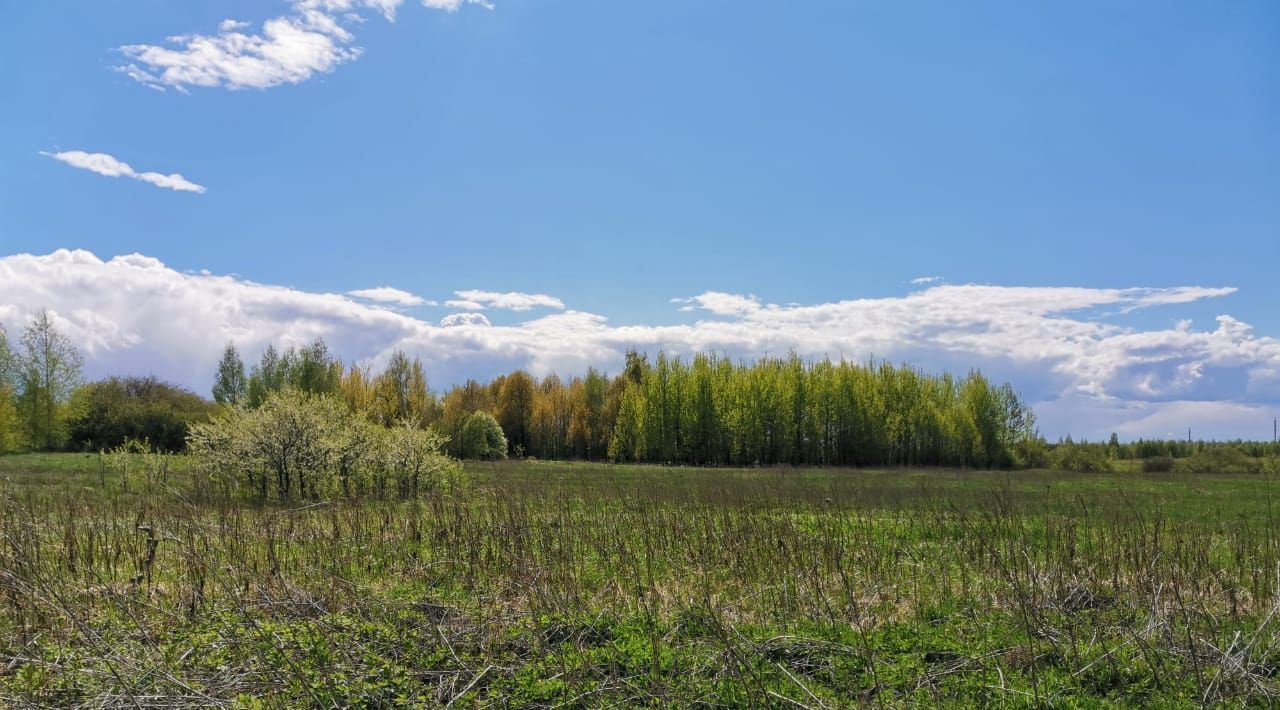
x,y
396,394
704,410
712,410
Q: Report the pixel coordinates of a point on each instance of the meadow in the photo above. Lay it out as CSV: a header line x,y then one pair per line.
x,y
586,585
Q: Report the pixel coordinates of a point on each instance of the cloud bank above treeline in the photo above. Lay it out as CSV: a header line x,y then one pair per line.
x,y
1064,348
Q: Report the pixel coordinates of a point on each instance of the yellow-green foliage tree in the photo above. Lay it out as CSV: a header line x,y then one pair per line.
x,y
356,389
459,404
11,438
551,419
515,411
230,385
589,422
313,370
47,368
10,426
400,392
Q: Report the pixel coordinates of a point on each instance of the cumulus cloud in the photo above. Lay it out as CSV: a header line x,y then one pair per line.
x,y
474,300
110,166
721,304
459,319
313,38
1068,349
387,294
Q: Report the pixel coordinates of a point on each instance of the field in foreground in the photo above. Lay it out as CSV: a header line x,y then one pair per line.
x,y
569,585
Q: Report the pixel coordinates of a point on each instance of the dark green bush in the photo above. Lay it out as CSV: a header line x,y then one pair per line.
x,y
482,438
106,414
1084,458
1157,464
1219,459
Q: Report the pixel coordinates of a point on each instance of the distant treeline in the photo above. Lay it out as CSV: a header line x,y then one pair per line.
x,y
704,410
1183,448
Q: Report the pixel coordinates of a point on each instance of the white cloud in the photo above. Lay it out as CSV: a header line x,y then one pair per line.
x,y
474,300
311,39
387,294
453,5
110,166
1088,373
722,304
920,280
458,319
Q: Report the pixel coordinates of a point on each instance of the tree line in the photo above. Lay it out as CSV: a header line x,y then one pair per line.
x,y
1185,448
704,410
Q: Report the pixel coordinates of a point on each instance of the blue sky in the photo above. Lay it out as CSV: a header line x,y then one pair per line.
x,y
615,156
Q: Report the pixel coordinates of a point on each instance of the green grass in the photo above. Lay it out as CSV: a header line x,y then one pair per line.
x,y
553,584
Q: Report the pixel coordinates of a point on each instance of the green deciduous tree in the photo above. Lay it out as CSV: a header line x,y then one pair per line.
x,y
314,370
268,376
48,370
11,434
481,437
628,442
230,385
401,393
515,411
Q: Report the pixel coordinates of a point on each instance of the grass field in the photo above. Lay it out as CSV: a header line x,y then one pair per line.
x,y
570,585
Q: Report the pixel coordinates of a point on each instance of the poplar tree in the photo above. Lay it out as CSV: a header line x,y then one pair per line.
x,y
10,425
628,433
266,377
356,389
48,371
515,410
401,393
8,369
313,370
230,386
